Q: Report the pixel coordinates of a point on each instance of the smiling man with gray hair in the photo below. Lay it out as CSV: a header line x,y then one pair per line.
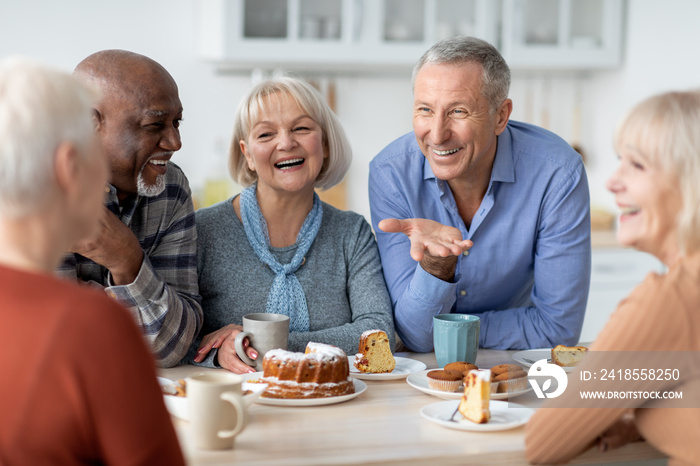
x,y
145,256
478,214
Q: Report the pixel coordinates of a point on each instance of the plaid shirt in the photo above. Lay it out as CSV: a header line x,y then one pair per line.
x,y
164,297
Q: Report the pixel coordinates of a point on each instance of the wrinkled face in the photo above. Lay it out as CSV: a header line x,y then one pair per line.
x,y
454,127
649,200
139,129
284,147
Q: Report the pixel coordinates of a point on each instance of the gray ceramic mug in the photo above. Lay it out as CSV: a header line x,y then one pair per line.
x,y
265,331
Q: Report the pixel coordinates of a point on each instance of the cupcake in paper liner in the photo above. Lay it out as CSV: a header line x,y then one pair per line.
x,y
446,381
512,380
460,366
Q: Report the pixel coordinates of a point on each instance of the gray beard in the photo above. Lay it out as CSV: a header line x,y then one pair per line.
x,y
149,190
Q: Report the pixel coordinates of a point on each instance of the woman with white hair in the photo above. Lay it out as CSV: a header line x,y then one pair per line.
x,y
276,247
648,351
79,384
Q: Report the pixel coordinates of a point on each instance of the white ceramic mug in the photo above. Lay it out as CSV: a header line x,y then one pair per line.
x,y
265,331
217,410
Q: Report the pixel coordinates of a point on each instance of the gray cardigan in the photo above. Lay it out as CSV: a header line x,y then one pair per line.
x,y
342,278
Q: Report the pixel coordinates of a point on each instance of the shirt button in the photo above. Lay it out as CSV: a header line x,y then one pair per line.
x,y
463,293
465,253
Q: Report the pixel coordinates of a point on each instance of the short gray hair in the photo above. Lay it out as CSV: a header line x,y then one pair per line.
x,y
664,128
310,101
458,50
40,108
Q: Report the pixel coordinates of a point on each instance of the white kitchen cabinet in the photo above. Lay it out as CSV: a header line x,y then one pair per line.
x,y
562,34
358,35
615,272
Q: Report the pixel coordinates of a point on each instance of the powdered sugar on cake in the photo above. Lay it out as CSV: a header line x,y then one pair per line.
x,y
322,371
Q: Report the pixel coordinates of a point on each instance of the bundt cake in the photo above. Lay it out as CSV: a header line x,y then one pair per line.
x,y
374,354
321,371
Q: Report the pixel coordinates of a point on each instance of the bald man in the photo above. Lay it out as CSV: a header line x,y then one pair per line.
x,y
146,254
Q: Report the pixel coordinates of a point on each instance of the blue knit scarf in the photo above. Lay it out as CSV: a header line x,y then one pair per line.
x,y
286,294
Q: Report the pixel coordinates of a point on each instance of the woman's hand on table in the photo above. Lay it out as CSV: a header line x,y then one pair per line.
x,y
228,359
223,339
215,340
621,433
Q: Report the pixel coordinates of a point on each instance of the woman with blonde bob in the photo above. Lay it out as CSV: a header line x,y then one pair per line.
x,y
656,329
276,247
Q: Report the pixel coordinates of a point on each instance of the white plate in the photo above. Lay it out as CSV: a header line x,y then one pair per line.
x,y
527,357
504,416
419,381
360,387
178,406
404,367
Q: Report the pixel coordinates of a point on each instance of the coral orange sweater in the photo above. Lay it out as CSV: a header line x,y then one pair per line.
x,y
661,317
77,382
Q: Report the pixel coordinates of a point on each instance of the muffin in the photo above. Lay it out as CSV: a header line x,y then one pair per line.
x,y
460,366
443,380
501,368
508,378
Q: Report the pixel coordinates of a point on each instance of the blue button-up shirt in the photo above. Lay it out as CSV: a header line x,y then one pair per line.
x,y
527,275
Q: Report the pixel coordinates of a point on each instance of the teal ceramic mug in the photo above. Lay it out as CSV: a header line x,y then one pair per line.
x,y
455,338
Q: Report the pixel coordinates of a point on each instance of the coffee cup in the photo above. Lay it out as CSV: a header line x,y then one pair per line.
x,y
455,338
265,331
217,411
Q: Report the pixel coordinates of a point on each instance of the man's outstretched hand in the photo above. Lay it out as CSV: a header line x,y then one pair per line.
x,y
434,245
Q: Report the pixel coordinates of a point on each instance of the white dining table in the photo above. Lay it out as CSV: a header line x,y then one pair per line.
x,y
382,425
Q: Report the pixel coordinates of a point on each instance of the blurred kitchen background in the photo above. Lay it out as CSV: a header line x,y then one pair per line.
x,y
578,66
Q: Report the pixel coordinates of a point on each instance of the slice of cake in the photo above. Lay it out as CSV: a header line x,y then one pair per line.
x,y
568,356
477,392
374,353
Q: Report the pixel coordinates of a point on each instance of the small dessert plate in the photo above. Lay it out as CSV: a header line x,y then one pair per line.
x,y
504,416
179,407
528,357
419,381
404,367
